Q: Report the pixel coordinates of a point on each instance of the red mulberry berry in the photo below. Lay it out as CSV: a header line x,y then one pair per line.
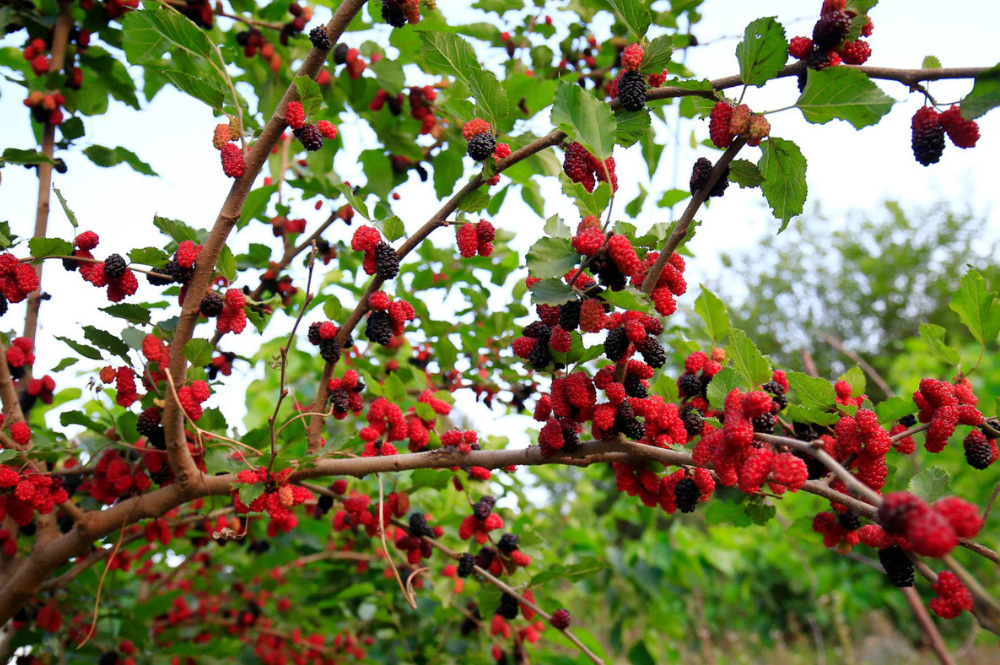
x,y
928,136
930,534
474,127
468,243
221,136
632,56
623,254
963,133
898,509
232,160
800,47
856,52
20,432
718,127
963,517
295,115
327,129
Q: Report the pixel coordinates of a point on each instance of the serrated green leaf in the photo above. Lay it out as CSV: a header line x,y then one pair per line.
x,y
763,51
784,171
713,312
747,358
450,54
800,414
657,55
389,73
551,292
178,231
310,94
812,392
555,227
721,385
130,312
586,119
930,62
895,408
977,306
105,340
65,206
985,95
149,256
226,265
256,203
392,228
856,378
632,126
845,94
629,298
934,337
633,15
931,484
198,352
745,173
43,247
250,492
551,257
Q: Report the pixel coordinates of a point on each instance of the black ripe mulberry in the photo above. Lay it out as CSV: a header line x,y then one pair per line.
x,y
379,328
465,565
341,403
340,54
393,14
632,91
386,261
700,174
687,494
212,304
313,335
814,467
481,146
909,420
329,349
310,137
635,388
609,274
508,607
627,424
569,315
540,356
694,421
616,344
928,136
3,304
508,543
571,440
831,29
980,451
653,353
849,520
319,38
898,567
689,385
763,424
114,266
419,526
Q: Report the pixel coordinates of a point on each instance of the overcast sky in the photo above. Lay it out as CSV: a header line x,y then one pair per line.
x,y
848,170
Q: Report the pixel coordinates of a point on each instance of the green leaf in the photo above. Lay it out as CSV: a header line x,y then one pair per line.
x,y
152,32
449,54
332,307
250,492
713,312
130,312
784,171
226,265
931,484
43,247
977,306
632,126
745,173
895,408
149,256
639,654
108,157
473,201
395,390
657,55
800,414
17,156
7,454
178,231
672,197
207,90
721,512
629,298
256,203
555,227
68,418
985,95
392,228
105,340
763,51
634,207
198,352
930,62
590,203
551,257
310,95
933,336
84,350
856,377
433,478
634,15
389,74
812,392
586,119
65,206
748,359
586,567
551,292
845,94
721,385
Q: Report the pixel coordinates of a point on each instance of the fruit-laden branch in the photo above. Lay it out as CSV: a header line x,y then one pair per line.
x,y
181,462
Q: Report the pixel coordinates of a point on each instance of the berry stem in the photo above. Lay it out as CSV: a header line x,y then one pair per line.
x,y
927,625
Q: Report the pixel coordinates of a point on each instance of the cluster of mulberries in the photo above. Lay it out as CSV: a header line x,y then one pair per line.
x,y
113,272
192,397
309,135
398,13
418,428
699,369
727,121
482,520
582,167
278,496
388,317
475,239
929,128
114,477
324,335
20,356
346,394
945,406
538,340
931,531
481,142
670,283
24,493
952,596
233,317
413,543
380,257
124,378
630,332
829,46
839,530
862,438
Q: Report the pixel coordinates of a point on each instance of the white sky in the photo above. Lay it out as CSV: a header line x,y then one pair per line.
x,y
848,170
